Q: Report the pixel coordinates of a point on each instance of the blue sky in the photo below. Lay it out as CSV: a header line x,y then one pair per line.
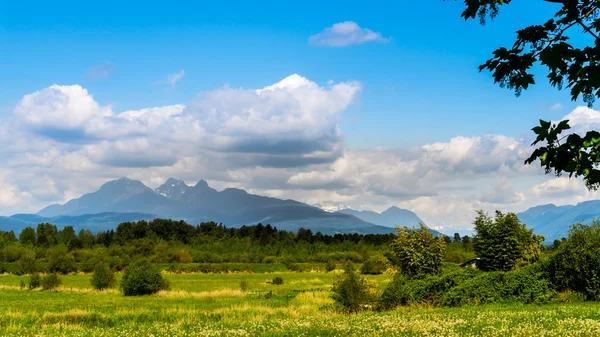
x,y
427,73
420,86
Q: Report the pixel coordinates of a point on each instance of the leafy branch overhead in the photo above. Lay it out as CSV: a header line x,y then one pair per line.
x,y
574,67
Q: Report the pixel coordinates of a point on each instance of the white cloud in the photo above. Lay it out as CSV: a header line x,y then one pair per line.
x,y
172,79
344,34
559,187
282,140
583,119
556,107
60,109
100,71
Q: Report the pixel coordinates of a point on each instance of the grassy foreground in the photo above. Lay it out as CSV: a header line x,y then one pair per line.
x,y
214,305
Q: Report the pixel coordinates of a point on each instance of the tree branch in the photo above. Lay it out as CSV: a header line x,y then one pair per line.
x,y
587,29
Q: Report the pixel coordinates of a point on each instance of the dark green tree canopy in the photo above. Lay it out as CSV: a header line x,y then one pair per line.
x,y
503,242
569,66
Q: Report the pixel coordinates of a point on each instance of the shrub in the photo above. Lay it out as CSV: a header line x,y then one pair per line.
x,y
374,266
351,292
277,280
34,281
60,260
244,285
429,290
183,256
416,252
525,285
576,263
103,277
26,264
330,266
395,294
50,281
142,278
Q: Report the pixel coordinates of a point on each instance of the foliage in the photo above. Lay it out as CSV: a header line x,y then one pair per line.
x,y
244,285
575,155
28,236
103,277
577,68
330,266
374,266
416,252
576,263
277,280
26,263
525,285
504,242
457,252
351,292
430,290
34,281
142,278
60,260
183,256
50,281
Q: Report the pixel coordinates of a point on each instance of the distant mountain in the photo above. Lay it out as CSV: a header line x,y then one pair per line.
x,y
95,222
122,196
391,217
8,224
554,221
173,189
331,207
233,207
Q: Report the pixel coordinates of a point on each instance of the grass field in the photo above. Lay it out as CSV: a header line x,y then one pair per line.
x,y
214,305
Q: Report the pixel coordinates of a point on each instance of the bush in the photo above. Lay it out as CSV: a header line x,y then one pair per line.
x,y
277,280
183,256
429,290
374,266
50,281
142,278
103,277
576,263
351,292
244,285
34,281
330,266
416,252
525,285
27,264
60,260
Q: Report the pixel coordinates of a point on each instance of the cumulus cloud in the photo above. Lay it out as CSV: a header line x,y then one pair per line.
x,y
583,119
344,34
282,140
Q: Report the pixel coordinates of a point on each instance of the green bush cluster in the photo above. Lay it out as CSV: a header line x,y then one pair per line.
x,y
375,265
50,281
351,292
34,281
277,280
142,277
103,277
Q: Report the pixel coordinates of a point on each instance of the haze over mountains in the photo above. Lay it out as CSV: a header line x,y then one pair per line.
x,y
233,207
130,200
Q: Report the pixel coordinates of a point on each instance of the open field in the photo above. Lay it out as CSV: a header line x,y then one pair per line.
x,y
214,305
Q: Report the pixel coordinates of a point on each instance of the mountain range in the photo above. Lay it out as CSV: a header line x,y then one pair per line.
x,y
554,221
130,200
126,198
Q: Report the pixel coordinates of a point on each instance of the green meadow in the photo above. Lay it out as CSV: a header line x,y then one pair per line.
x,y
214,305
